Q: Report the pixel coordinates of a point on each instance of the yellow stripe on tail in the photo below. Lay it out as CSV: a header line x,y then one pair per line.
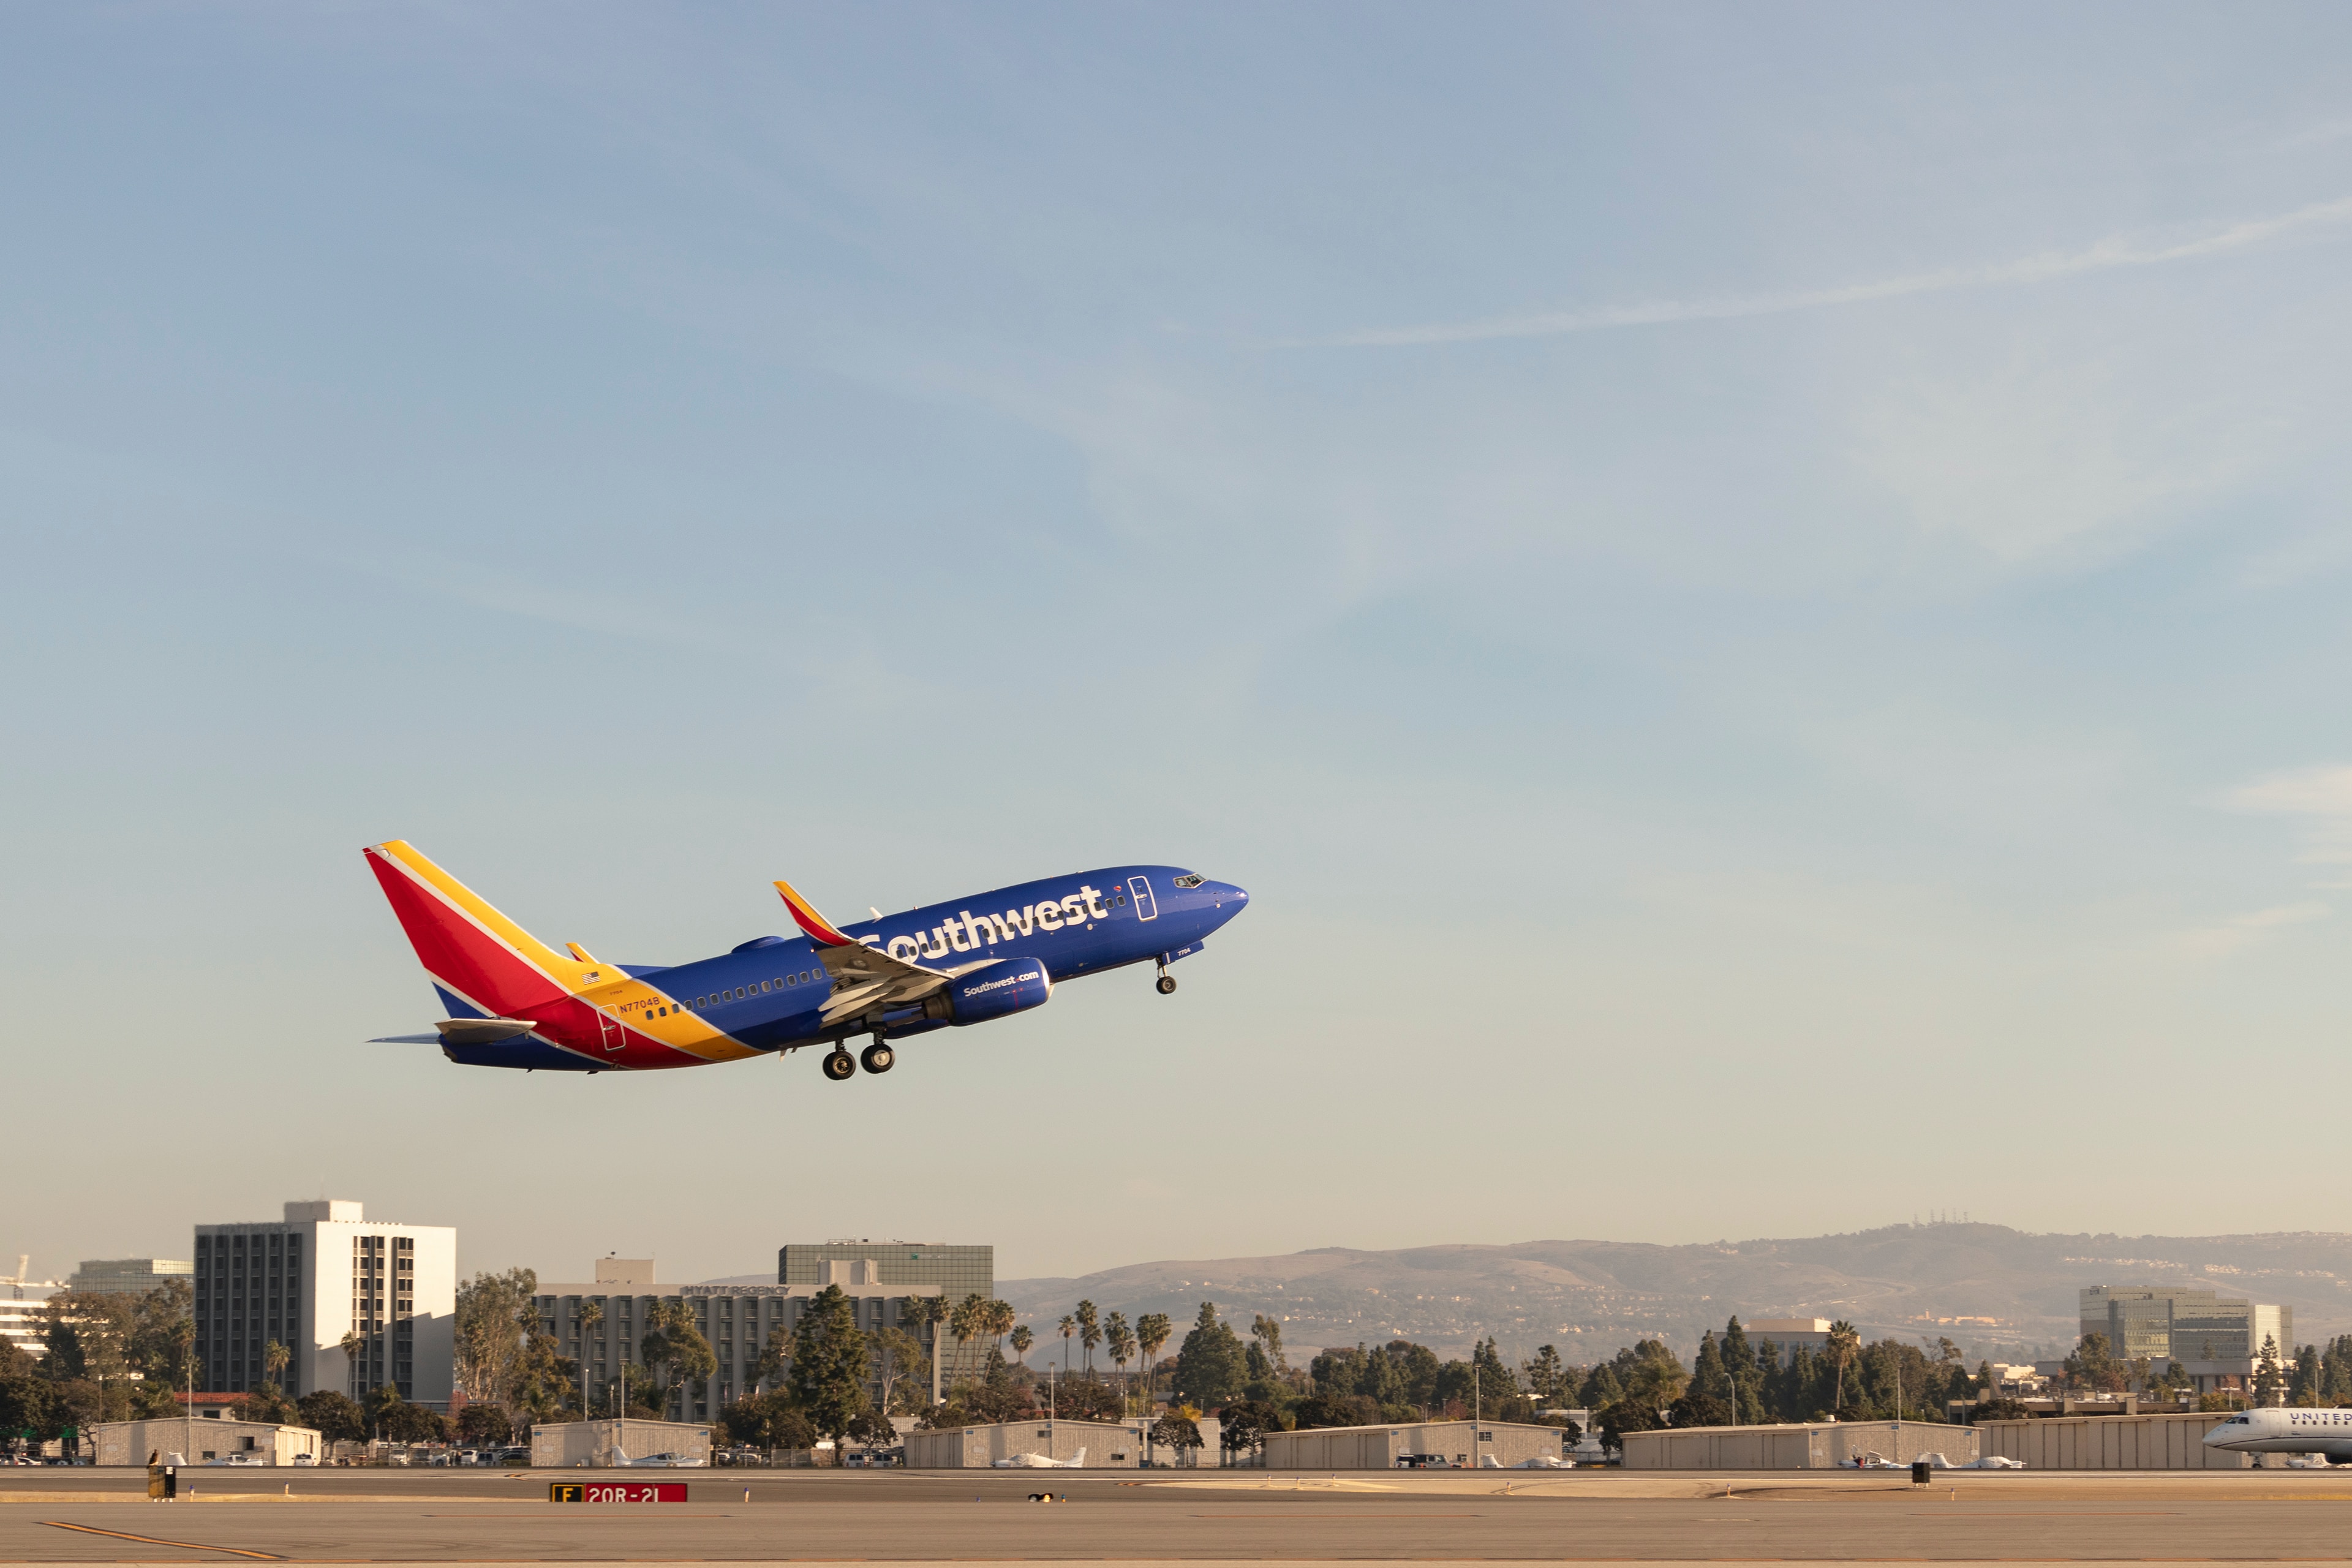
x,y
820,929
571,974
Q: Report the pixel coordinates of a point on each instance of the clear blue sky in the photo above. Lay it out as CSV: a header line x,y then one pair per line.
x,y
1757,592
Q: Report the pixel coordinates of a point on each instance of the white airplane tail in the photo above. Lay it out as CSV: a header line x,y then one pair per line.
x,y
621,1456
1080,1461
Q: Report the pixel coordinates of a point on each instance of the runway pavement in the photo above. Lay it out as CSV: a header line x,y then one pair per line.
x,y
455,1517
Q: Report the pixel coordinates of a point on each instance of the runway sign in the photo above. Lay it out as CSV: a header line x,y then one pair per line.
x,y
616,1491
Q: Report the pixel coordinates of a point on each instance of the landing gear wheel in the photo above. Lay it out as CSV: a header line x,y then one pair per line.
x,y
879,1057
839,1066
1167,984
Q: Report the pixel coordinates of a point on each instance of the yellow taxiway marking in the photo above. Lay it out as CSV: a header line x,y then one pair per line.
x,y
158,1541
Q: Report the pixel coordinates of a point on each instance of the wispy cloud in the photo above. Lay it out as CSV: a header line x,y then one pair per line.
x,y
2116,251
2322,794
2244,931
555,601
2317,135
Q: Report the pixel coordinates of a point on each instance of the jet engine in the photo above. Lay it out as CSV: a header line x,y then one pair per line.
x,y
1008,985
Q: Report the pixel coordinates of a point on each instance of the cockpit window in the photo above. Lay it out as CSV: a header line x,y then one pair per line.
x,y
1189,881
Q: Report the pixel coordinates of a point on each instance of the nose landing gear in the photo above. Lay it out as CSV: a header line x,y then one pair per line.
x,y
1166,984
840,1066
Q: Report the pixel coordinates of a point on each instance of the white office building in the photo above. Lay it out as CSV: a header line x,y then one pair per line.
x,y
25,1311
307,1281
1790,1334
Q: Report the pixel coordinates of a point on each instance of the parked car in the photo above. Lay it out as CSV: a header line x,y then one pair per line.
x,y
509,1456
306,1459
1424,1462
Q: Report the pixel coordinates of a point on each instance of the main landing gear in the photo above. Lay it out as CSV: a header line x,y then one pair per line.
x,y
841,1067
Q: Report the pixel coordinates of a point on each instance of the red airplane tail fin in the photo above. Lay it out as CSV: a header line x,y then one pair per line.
x,y
470,948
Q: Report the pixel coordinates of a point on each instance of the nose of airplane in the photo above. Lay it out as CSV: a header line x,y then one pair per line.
x,y
1226,899
2228,1433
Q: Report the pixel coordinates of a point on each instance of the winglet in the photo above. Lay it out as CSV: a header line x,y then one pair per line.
x,y
820,929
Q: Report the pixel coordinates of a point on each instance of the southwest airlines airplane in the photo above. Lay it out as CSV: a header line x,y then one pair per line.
x,y
2274,1430
513,1002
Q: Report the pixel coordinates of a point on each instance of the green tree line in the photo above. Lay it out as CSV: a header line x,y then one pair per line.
x,y
1736,1380
2323,1374
1732,1378
109,1358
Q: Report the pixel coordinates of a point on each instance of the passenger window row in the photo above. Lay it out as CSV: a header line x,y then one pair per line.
x,y
805,977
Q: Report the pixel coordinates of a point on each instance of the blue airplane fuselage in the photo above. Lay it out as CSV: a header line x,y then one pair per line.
x,y
770,993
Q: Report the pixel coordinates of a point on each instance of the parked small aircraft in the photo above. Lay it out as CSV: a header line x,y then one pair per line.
x,y
1040,1462
664,1461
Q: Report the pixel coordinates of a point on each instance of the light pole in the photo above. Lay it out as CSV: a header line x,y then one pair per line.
x,y
1477,1408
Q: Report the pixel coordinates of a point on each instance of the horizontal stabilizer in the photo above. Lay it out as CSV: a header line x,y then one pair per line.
x,y
463,1032
483,1031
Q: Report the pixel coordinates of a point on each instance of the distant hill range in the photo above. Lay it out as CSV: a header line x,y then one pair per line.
x,y
1998,1293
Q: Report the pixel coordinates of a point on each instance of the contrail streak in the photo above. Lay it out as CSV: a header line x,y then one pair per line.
x,y
2100,258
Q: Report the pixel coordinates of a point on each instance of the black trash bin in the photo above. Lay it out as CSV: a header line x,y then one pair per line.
x,y
1921,1470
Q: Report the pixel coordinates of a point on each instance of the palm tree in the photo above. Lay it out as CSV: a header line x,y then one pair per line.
x,y
1000,1323
1120,1339
928,1313
1022,1340
1844,1345
1069,1326
1151,1334
591,1315
1089,1333
354,1346
967,1322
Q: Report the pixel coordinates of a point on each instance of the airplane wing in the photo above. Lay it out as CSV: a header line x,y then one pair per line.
x,y
864,978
